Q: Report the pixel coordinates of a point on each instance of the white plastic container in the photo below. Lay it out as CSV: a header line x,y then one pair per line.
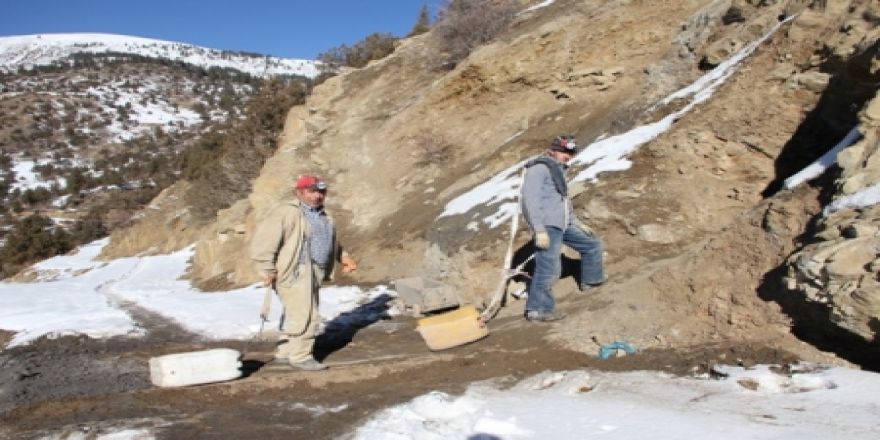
x,y
195,367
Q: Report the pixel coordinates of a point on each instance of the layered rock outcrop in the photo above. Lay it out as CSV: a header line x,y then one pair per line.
x,y
840,265
842,269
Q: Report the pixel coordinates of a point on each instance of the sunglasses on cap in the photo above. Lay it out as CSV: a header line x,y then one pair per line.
x,y
318,186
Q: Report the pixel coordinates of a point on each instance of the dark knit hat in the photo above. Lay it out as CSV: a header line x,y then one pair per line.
x,y
565,142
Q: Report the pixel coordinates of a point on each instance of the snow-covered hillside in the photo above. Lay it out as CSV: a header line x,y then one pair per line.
x,y
91,122
47,49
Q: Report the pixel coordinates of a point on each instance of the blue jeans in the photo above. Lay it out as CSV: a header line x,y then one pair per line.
x,y
548,266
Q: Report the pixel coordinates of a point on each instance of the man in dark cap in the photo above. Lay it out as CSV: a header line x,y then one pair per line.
x,y
547,208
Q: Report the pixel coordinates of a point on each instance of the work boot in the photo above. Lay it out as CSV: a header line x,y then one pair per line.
x,y
309,364
589,289
277,364
534,315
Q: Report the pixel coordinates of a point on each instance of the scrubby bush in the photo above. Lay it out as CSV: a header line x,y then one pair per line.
x,y
5,184
90,227
32,238
375,46
5,160
431,148
465,24
200,108
200,158
34,196
78,179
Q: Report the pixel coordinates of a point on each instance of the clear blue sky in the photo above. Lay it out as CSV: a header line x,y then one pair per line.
x,y
289,29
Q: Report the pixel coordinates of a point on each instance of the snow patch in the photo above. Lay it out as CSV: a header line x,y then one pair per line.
x,y
863,198
27,178
821,164
813,404
46,49
543,4
76,294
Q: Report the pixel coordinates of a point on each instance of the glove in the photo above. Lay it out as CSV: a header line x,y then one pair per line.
x,y
348,264
542,240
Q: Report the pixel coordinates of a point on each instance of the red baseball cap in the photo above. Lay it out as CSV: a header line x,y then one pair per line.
x,y
311,182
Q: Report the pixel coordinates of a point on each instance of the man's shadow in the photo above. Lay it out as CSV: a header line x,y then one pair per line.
x,y
571,267
338,332
341,330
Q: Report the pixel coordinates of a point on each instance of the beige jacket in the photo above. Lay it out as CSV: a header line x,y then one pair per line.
x,y
278,242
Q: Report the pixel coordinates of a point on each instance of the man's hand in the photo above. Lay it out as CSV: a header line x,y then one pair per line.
x,y
542,240
269,279
348,264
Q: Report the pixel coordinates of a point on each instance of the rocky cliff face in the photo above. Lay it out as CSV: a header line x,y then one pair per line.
x,y
371,132
839,266
697,231
840,269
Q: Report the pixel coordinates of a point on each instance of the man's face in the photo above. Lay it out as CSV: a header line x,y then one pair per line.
x,y
561,156
311,196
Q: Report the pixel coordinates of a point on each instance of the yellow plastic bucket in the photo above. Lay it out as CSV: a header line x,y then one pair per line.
x,y
453,328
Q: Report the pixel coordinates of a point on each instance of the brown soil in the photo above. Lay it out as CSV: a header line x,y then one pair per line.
x,y
76,384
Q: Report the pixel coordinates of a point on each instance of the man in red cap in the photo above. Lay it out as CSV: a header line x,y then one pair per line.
x,y
295,248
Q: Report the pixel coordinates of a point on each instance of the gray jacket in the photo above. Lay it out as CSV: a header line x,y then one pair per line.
x,y
542,202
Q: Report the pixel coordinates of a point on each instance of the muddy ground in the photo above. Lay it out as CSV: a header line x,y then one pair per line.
x,y
78,385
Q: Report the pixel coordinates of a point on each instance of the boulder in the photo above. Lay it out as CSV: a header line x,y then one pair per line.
x,y
853,259
656,233
806,26
814,81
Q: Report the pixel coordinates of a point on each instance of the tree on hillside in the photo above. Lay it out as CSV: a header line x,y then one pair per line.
x,y
222,166
465,24
372,47
90,227
423,24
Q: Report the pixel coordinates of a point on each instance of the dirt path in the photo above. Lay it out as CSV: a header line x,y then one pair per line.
x,y
78,385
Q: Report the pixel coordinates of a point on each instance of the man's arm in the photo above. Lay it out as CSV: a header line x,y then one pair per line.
x,y
265,244
531,196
